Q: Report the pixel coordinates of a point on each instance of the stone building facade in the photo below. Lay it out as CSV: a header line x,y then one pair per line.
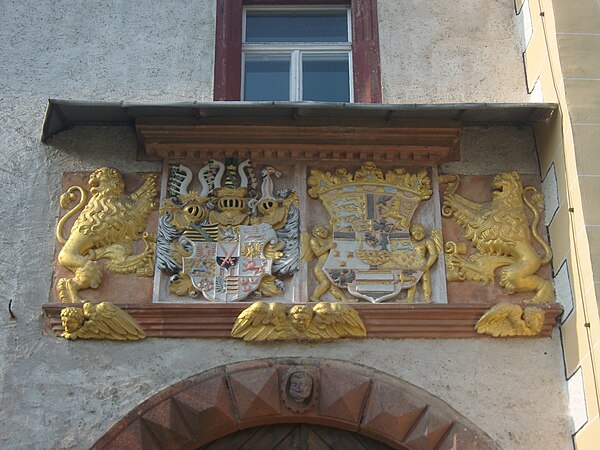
x,y
516,83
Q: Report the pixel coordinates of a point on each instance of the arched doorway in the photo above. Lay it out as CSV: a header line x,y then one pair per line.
x,y
297,436
330,399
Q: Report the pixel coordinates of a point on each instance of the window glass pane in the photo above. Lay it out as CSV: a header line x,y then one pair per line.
x,y
325,78
296,26
267,77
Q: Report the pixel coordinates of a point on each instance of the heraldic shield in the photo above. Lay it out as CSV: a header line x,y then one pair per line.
x,y
228,263
227,239
372,254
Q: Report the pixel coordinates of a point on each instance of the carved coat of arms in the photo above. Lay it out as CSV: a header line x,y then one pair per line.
x,y
226,242
374,254
228,263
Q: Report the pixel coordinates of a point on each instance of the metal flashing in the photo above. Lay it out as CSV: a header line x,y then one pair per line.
x,y
62,115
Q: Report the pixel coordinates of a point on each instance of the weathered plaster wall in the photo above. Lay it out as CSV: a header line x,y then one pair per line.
x,y
450,52
109,50
59,394
489,150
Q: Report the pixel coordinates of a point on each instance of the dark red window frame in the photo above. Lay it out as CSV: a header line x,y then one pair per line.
x,y
365,46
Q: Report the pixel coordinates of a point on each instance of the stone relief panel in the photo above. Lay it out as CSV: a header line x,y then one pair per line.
x,y
226,233
494,244
105,236
107,228
291,244
234,231
382,237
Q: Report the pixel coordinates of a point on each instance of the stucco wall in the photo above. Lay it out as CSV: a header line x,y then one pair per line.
x,y
450,51
59,394
561,60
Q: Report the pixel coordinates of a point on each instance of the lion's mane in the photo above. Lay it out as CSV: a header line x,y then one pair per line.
x,y
501,222
106,228
111,215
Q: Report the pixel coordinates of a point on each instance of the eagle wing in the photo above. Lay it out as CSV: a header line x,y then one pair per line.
x,y
107,321
261,322
503,319
335,320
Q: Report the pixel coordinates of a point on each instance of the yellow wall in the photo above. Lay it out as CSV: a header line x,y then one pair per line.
x,y
563,55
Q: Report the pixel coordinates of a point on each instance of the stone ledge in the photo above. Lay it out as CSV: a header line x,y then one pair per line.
x,y
394,321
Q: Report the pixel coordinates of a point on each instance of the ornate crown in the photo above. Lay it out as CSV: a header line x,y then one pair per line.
x,y
414,184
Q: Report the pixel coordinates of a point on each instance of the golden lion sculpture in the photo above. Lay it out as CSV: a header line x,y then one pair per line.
x,y
107,227
500,231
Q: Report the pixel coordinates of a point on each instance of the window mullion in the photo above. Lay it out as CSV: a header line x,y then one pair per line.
x,y
294,76
299,90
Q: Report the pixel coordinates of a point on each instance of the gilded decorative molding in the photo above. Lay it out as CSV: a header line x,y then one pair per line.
x,y
275,321
501,233
108,224
509,319
371,251
225,241
101,321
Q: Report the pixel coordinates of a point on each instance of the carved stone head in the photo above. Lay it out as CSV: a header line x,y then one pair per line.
x,y
300,388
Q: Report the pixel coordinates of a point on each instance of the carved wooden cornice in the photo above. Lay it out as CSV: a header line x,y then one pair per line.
x,y
381,320
418,142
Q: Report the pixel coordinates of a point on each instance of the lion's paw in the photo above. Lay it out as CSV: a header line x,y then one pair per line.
x,y
89,276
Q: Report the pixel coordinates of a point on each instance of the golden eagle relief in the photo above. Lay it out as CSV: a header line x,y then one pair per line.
x,y
509,319
109,223
101,321
501,233
275,321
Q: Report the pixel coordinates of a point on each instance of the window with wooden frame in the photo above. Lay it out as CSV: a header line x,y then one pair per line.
x,y
297,53
325,50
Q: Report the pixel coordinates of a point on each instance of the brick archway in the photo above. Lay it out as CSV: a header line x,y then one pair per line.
x,y
248,394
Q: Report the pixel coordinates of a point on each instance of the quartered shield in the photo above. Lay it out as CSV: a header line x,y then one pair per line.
x,y
228,262
372,255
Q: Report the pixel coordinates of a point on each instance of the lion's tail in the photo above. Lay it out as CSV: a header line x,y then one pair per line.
x,y
535,205
65,200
